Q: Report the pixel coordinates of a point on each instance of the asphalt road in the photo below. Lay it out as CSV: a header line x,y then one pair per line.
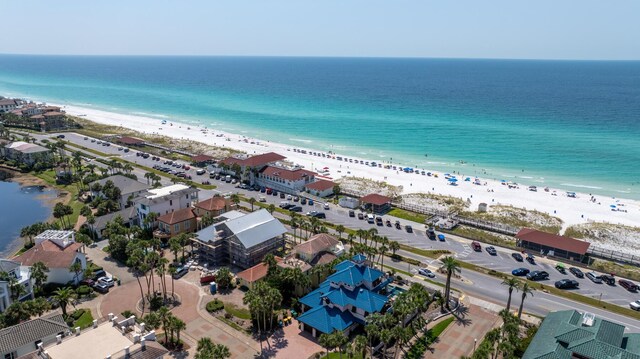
x,y
483,286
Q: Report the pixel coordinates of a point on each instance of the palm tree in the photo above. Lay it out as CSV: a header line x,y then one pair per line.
x,y
39,275
149,176
165,316
271,208
252,201
327,341
394,246
340,229
526,290
178,325
359,345
208,350
511,284
76,268
235,199
450,265
360,233
64,297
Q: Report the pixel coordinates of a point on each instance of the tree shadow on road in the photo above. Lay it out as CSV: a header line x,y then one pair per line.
x,y
460,315
274,343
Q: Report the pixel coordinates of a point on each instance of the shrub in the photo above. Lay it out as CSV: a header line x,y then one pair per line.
x,y
214,306
84,290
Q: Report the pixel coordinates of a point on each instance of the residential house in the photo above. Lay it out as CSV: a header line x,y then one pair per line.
x,y
320,188
319,249
571,334
164,200
129,218
27,153
129,188
22,275
24,338
212,207
58,250
248,167
242,241
285,180
345,298
248,277
179,221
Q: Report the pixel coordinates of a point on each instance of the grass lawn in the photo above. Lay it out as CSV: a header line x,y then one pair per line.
x,y
336,355
50,177
409,216
237,312
85,320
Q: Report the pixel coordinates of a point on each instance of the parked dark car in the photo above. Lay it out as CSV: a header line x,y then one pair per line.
x,y
431,233
577,272
398,226
517,257
519,272
628,285
304,201
388,223
352,213
408,228
476,246
538,275
296,209
608,279
491,250
181,271
379,221
531,259
360,215
567,284
99,273
560,268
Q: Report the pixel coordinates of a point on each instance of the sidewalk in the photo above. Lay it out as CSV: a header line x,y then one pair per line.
x,y
463,334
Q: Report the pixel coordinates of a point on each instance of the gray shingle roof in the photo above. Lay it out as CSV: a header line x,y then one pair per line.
x,y
8,265
31,331
255,228
126,184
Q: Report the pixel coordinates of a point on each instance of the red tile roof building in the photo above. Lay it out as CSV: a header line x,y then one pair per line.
x,y
179,221
286,180
213,206
376,203
320,188
552,244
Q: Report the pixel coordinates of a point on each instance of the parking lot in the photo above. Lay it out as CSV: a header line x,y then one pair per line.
x,y
502,261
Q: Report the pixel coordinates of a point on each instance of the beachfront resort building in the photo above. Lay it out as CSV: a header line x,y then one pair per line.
x,y
27,153
8,104
129,188
571,334
58,250
22,275
164,200
241,240
24,338
247,168
345,298
284,179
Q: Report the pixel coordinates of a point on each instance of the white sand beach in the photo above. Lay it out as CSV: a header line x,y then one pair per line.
x,y
581,209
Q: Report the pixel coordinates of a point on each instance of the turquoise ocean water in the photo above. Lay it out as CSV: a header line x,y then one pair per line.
x,y
568,124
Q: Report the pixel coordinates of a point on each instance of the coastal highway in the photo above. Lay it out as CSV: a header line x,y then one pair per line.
x,y
460,247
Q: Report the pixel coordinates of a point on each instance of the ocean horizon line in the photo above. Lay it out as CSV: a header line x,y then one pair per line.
x,y
522,59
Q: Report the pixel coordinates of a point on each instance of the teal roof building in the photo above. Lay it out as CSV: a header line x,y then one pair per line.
x,y
345,298
570,334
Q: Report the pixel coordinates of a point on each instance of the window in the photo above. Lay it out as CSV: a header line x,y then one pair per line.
x,y
171,202
11,355
187,225
176,227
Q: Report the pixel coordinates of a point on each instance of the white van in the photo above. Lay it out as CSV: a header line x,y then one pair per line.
x,y
370,218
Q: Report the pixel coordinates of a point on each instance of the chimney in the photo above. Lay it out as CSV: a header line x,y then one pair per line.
x,y
136,338
142,325
58,339
110,316
95,323
143,343
114,321
40,347
77,330
126,351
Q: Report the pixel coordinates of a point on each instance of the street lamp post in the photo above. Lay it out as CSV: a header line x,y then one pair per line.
x,y
475,341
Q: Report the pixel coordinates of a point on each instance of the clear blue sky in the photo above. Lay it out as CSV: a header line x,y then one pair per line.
x,y
541,29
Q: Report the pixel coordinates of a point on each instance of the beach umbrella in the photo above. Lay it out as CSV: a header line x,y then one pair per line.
x,y
468,179
613,206
453,180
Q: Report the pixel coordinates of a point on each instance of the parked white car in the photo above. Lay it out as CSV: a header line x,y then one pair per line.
x,y
106,281
635,305
426,272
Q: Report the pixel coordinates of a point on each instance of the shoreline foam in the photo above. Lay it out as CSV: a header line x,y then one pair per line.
x,y
570,210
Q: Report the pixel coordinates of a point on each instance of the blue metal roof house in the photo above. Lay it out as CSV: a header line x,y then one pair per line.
x,y
345,298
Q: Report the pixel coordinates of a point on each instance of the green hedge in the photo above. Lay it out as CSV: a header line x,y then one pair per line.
x,y
214,306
